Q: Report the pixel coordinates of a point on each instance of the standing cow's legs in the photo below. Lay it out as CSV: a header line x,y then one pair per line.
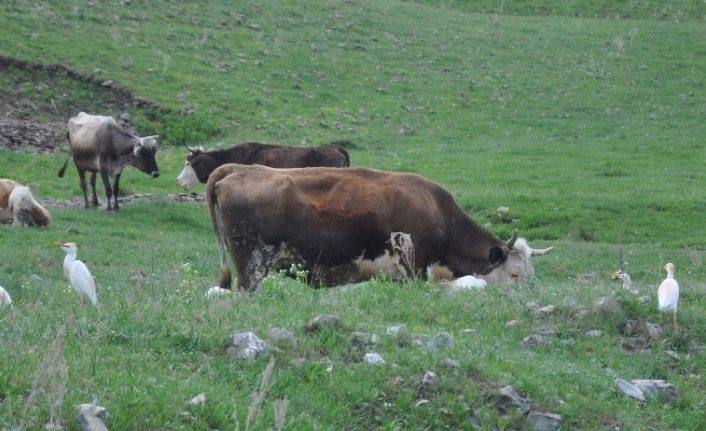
x,y
93,188
82,182
115,190
108,190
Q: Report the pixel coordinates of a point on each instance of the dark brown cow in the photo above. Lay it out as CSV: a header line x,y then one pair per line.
x,y
200,164
342,225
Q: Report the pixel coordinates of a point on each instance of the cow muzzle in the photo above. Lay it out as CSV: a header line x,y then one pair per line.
x,y
154,174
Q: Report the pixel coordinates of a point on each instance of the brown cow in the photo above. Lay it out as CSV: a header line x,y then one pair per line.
x,y
200,164
342,225
18,206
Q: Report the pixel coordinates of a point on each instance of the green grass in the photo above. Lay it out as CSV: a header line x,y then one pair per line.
x,y
590,130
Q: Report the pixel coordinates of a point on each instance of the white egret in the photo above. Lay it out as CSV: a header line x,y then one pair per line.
x,y
4,297
78,274
668,293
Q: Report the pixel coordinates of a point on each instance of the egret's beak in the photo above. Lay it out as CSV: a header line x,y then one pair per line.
x,y
58,244
614,275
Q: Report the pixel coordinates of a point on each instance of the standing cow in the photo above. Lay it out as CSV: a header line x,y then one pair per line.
x,y
342,225
200,164
99,144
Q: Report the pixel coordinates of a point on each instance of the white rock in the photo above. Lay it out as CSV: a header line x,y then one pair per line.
x,y
89,422
199,400
549,309
655,388
594,333
396,330
508,395
247,345
421,402
373,358
430,379
283,336
93,409
541,421
629,389
512,323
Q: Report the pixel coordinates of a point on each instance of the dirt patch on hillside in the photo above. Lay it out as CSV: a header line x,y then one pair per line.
x,y
36,102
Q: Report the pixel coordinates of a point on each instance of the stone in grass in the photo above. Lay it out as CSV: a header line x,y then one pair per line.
x,y
509,396
373,358
545,311
199,400
320,322
441,341
396,330
89,422
653,329
430,378
594,333
283,337
450,364
534,341
658,389
247,345
364,339
629,389
541,421
512,323
606,305
93,409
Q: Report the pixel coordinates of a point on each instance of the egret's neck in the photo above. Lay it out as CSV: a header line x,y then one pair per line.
x,y
670,274
70,256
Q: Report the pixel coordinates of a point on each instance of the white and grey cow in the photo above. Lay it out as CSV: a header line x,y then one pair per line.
x,y
99,144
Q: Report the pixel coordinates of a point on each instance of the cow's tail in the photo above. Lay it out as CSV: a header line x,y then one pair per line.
x,y
214,210
63,168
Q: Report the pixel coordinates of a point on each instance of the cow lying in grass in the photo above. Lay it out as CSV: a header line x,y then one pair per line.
x,y
18,206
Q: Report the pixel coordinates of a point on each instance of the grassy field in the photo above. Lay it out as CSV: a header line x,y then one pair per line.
x,y
589,128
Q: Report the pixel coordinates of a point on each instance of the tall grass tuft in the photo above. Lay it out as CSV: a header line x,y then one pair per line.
x,y
49,383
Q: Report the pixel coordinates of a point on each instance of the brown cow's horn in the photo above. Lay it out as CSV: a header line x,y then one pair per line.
x,y
511,243
541,252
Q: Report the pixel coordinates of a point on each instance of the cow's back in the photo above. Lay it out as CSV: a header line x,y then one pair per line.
x,y
86,134
354,209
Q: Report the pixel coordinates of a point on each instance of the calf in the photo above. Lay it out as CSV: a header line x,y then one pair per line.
x,y
99,144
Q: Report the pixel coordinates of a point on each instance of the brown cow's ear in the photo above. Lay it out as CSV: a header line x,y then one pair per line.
x,y
496,256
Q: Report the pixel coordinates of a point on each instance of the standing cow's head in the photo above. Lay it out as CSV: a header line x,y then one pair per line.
x,y
143,155
189,177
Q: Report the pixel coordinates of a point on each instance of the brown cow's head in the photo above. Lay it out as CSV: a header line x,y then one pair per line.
x,y
143,155
197,168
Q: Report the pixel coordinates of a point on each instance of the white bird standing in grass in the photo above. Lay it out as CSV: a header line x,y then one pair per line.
x,y
4,297
668,293
77,273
